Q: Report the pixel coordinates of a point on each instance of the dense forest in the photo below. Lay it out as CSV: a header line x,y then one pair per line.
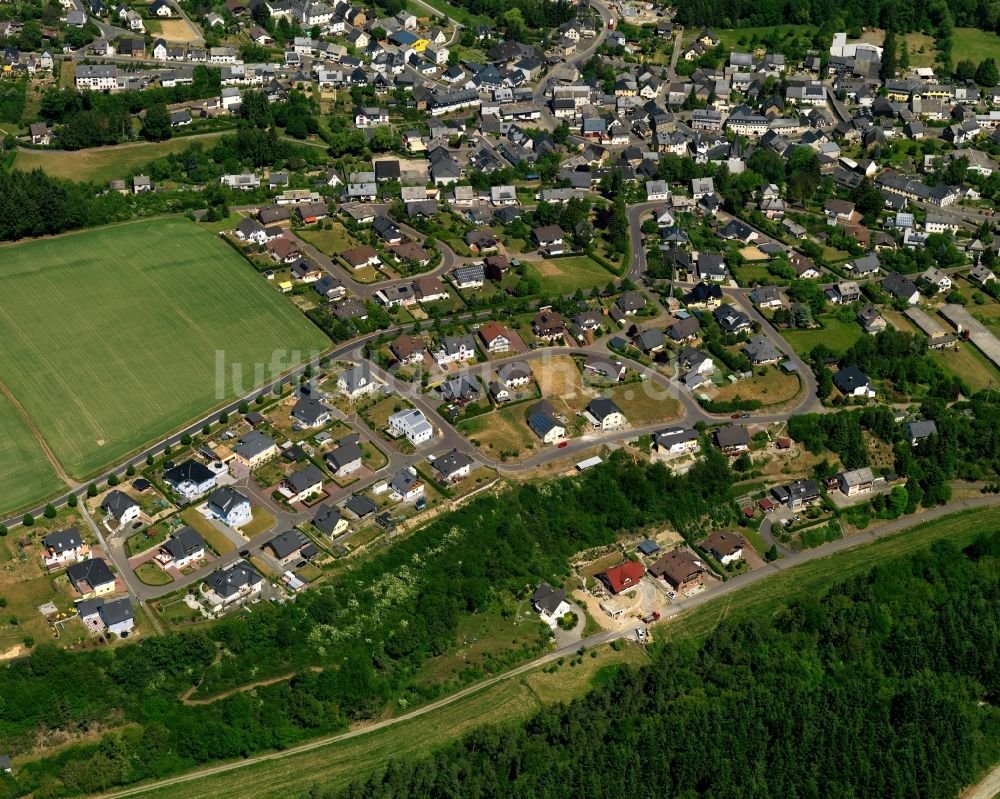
x,y
933,15
886,686
369,631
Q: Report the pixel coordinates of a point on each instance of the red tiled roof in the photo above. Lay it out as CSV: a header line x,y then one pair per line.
x,y
623,577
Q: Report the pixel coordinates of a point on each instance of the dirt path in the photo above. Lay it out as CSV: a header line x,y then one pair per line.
x,y
36,433
987,788
187,700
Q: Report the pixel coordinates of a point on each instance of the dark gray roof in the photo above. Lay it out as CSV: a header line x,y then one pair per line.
x,y
732,435
253,444
62,540
309,410
95,572
183,543
451,462
304,478
228,582
360,506
921,428
347,452
189,470
601,407
287,543
118,503
547,599
116,611
225,499
327,518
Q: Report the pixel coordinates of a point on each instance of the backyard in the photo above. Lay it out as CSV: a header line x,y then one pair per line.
x,y
566,275
837,335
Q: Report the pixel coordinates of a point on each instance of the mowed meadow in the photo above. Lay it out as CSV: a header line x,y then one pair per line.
x,y
111,336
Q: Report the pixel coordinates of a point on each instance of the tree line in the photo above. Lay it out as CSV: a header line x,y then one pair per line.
x,y
886,685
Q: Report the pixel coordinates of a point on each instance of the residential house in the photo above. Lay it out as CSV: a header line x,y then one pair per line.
x,y
302,485
900,288
406,486
797,494
733,439
121,507
255,449
235,585
329,521
309,412
190,479
361,256
725,547
514,375
291,546
544,423
681,569
603,414
675,443
852,382
357,382
866,266
345,458
229,506
919,430
495,337
731,320
91,578
549,239
856,481
761,351
469,277
114,617
711,267
455,349
766,297
411,424
871,319
623,578
548,325
183,548
452,466
407,349
550,603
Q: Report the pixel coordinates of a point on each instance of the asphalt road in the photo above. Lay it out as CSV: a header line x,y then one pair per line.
x,y
721,590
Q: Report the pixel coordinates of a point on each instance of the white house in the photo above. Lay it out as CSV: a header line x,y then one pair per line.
x,y
190,479
550,603
121,507
63,547
183,548
229,506
411,424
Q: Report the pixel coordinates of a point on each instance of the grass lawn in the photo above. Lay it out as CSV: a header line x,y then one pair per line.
x,y
331,242
730,38
26,476
974,44
262,521
151,574
837,335
566,275
140,542
968,363
502,433
644,403
148,326
372,457
215,538
377,415
775,387
102,164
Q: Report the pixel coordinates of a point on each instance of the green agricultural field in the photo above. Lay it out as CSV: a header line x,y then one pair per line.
x,y
114,337
26,476
102,164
